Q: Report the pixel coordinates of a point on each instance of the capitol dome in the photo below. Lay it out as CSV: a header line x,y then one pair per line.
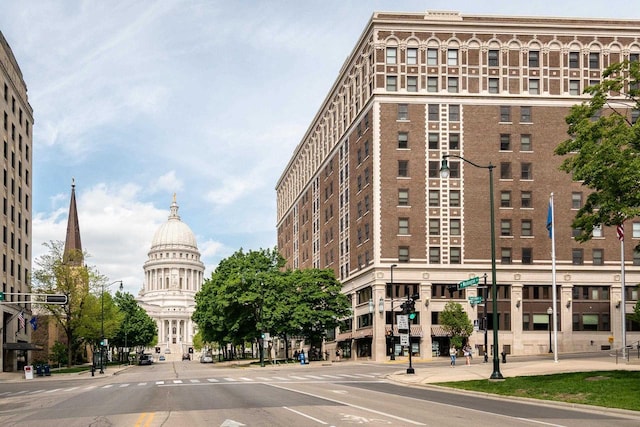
x,y
174,233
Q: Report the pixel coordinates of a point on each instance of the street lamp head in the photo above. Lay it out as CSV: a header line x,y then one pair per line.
x,y
549,311
444,169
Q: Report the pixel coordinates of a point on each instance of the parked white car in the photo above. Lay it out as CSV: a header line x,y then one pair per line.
x,y
206,358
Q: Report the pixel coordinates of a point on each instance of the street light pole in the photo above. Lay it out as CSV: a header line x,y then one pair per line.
x,y
550,312
393,316
444,173
102,323
484,318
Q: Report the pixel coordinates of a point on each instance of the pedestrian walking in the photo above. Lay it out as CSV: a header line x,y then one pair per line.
x,y
452,354
467,353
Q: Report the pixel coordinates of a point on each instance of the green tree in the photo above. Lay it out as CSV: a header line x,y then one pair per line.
x,y
59,353
57,273
136,328
456,322
603,150
91,327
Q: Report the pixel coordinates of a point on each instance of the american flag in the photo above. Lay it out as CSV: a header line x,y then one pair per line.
x,y
620,231
21,324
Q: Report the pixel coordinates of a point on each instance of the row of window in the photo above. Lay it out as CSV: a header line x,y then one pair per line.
x,y
526,170
492,59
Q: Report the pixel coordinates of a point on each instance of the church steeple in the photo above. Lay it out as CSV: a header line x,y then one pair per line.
x,y
72,245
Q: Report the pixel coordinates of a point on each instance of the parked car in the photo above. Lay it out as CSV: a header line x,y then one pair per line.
x,y
167,350
185,356
162,358
206,358
145,359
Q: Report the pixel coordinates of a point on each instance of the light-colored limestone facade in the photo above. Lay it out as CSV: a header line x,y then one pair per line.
x,y
173,275
362,193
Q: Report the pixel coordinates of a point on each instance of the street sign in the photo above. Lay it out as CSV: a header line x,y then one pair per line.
x,y
404,339
403,322
469,282
475,300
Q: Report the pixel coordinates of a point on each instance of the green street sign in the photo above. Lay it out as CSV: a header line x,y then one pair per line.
x,y
1,296
469,282
475,300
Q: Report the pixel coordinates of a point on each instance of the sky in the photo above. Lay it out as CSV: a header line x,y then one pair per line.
x,y
137,100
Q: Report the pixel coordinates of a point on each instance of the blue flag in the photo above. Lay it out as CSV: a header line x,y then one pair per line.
x,y
550,219
34,323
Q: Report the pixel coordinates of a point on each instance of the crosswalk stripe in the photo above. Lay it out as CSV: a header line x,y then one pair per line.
x,y
159,382
212,380
194,381
281,378
177,381
314,377
330,376
4,393
296,377
108,386
365,375
124,385
91,387
142,383
262,378
37,391
230,379
71,389
245,379
53,391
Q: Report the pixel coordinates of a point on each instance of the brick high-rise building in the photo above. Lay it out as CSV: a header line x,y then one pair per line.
x,y
362,193
15,218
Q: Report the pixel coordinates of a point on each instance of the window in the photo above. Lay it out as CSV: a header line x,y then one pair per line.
x,y
432,56
412,84
525,142
432,84
403,197
505,199
505,114
454,169
454,141
534,86
598,257
366,151
392,54
534,58
574,59
575,232
434,227
594,60
403,112
577,256
403,226
576,200
597,231
452,84
434,255
454,198
392,83
526,171
403,168
505,142
403,254
505,170
434,198
454,113
493,57
412,55
574,87
434,169
634,57
525,199
525,114
526,228
403,140
635,114
454,255
434,141
635,230
454,227
505,255
452,57
493,85
433,112
527,255
505,227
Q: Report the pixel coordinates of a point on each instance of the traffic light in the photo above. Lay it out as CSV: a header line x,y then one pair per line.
x,y
157,349
411,308
405,307
190,350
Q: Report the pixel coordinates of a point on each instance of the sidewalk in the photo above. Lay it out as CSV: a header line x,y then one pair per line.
x,y
516,366
7,377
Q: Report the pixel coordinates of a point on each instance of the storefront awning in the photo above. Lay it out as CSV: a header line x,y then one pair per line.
x,y
363,333
345,336
439,331
21,346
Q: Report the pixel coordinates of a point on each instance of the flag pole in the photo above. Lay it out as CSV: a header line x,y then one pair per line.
x,y
553,279
620,231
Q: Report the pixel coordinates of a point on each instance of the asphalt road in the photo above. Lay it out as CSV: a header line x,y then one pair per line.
x,y
193,394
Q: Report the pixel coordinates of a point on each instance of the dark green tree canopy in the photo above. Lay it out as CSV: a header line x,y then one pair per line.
x,y
136,328
456,322
603,149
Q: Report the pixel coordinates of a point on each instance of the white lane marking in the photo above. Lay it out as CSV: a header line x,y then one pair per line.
x,y
71,389
330,376
230,379
262,378
91,387
177,381
280,378
37,391
314,377
245,379
304,415
124,385
212,380
295,377
194,381
53,391
159,382
142,383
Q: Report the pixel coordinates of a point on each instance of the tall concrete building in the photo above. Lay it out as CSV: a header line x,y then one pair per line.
x,y
362,193
174,274
16,136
